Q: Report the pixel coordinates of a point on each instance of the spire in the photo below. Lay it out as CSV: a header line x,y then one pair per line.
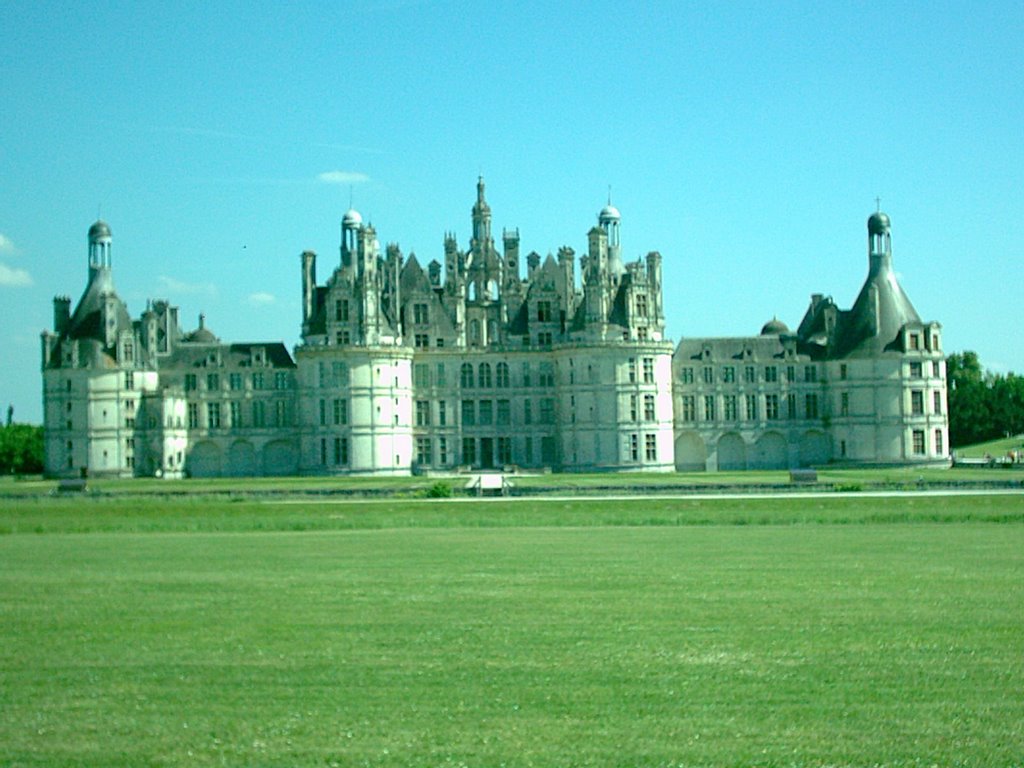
x,y
481,217
881,308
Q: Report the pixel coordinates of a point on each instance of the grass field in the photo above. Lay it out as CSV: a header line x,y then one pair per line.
x,y
649,632
995,448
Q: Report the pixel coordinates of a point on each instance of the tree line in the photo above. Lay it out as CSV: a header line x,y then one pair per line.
x,y
982,405
21,449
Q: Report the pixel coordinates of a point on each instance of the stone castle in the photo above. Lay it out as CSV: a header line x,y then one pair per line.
x,y
470,363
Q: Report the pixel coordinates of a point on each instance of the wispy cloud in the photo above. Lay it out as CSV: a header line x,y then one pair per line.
x,y
6,246
173,286
261,299
343,177
12,277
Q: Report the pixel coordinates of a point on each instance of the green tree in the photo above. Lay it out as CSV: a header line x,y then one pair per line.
x,y
969,418
982,405
21,449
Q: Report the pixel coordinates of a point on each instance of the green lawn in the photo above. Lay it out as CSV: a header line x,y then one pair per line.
x,y
765,632
994,448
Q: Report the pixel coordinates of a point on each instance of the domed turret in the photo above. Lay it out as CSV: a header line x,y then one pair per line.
x,y
352,218
878,223
99,231
774,327
202,334
609,214
100,242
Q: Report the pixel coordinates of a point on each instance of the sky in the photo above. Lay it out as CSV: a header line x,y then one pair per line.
x,y
746,142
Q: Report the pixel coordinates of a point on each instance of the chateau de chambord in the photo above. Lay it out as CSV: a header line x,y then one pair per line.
x,y
485,362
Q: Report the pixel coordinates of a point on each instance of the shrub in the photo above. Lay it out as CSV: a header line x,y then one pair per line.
x,y
439,490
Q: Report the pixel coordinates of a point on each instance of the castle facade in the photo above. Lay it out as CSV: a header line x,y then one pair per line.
x,y
472,363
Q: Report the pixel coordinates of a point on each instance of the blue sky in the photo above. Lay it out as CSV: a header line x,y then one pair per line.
x,y
745,142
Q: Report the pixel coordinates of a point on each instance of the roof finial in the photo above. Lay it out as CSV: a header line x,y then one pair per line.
x,y
878,205
609,194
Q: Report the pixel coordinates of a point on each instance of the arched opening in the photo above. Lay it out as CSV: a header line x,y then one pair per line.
x,y
732,452
691,453
770,452
203,460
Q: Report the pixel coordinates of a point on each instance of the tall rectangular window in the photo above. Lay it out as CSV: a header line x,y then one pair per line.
x,y
423,450
213,415
689,408
633,410
442,412
651,447
641,305
731,412
422,413
469,450
504,450
919,441
259,413
936,402
648,370
771,406
771,373
257,380
729,374
939,443
468,413
504,413
810,373
649,408
420,314
686,375
811,405
709,407
236,413
486,413
709,374
547,410
844,404
340,408
749,374
917,402
631,366
791,405
235,381
193,415
751,407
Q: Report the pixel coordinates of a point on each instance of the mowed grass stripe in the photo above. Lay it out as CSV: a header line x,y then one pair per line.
x,y
203,514
882,644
